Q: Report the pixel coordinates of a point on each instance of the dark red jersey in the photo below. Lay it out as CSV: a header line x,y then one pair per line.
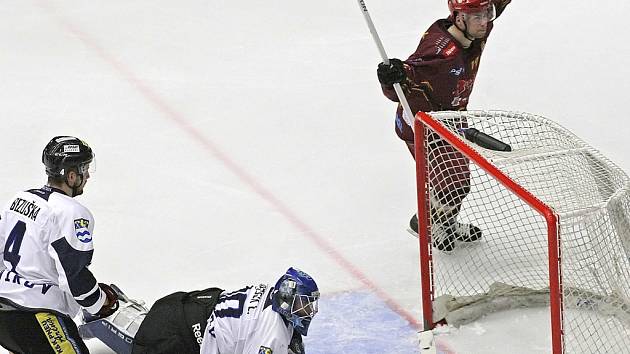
x,y
441,73
440,77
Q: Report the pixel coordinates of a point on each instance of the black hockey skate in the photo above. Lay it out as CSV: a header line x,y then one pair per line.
x,y
444,235
467,232
442,238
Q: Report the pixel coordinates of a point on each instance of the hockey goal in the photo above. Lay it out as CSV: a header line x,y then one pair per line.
x,y
554,216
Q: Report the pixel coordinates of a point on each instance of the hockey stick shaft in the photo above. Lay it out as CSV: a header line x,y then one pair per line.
x,y
408,116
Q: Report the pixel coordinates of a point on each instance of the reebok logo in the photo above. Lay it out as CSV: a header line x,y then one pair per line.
x,y
196,328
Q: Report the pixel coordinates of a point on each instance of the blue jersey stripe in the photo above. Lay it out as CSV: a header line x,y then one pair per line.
x,y
80,279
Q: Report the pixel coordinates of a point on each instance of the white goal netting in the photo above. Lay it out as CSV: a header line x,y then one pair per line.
x,y
491,247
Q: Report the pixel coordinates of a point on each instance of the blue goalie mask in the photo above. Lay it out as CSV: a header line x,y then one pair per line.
x,y
296,298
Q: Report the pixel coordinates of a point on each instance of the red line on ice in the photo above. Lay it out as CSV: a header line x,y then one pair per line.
x,y
241,173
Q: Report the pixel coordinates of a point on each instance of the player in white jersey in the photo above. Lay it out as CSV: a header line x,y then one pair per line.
x,y
263,319
46,247
259,319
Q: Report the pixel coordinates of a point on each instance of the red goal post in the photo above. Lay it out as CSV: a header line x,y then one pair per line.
x,y
554,215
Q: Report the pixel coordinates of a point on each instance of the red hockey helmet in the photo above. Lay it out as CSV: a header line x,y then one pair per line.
x,y
468,6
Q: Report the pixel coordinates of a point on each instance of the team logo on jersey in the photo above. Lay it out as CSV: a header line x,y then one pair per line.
x,y
81,230
265,350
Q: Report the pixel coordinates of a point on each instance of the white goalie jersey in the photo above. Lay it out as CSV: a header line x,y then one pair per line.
x,y
46,247
243,322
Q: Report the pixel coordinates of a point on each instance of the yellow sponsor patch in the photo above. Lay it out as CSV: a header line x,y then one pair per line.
x,y
265,350
55,333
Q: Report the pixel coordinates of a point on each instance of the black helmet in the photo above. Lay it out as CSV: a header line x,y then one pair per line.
x,y
65,152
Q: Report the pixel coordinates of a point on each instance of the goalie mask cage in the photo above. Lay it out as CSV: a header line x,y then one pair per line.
x,y
555,221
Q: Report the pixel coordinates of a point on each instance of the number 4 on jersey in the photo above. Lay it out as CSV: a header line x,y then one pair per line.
x,y
13,244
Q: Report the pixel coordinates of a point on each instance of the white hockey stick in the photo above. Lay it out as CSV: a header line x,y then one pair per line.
x,y
407,116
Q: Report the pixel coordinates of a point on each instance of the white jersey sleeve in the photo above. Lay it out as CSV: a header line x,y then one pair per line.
x,y
72,251
46,238
244,322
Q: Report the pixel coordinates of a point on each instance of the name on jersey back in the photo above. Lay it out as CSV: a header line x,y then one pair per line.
x,y
26,208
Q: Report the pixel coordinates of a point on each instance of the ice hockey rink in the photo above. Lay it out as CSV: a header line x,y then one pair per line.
x,y
234,139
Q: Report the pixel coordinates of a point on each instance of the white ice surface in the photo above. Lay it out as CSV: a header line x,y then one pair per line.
x,y
237,138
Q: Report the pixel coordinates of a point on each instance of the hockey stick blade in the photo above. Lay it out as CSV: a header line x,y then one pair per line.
x,y
119,341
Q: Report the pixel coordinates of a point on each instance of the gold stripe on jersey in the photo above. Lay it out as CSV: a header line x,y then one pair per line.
x,y
55,333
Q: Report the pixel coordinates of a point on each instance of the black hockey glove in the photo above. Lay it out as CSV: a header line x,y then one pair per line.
x,y
392,73
296,346
111,303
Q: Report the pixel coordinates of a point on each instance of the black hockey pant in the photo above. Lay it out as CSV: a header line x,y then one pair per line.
x,y
176,323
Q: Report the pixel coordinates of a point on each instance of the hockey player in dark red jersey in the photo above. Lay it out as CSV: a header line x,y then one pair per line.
x,y
439,76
